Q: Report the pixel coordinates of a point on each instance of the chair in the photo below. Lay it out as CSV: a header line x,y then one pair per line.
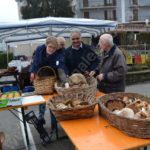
x,y
2,139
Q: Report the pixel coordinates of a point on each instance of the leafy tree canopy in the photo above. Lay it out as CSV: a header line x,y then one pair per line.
x,y
44,8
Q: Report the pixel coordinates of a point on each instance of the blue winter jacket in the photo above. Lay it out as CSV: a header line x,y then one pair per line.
x,y
40,59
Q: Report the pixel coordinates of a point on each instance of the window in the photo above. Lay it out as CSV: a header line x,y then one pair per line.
x,y
110,15
114,15
105,15
135,2
114,2
86,14
85,3
135,14
109,2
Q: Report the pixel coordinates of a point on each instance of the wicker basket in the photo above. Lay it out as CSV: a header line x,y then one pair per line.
x,y
133,127
45,84
84,93
70,113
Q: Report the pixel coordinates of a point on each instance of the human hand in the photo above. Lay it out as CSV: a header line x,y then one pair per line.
x,y
32,77
100,77
67,85
92,73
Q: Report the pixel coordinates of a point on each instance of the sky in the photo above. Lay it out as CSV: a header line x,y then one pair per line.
x,y
8,11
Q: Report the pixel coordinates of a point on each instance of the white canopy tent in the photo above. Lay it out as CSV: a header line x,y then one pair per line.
x,y
33,29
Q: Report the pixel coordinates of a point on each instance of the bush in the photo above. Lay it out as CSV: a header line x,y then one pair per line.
x,y
3,60
148,62
138,67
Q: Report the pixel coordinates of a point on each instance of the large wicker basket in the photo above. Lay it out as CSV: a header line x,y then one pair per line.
x,y
45,84
84,93
133,127
71,113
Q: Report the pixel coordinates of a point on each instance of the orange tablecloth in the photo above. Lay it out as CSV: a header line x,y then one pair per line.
x,y
97,134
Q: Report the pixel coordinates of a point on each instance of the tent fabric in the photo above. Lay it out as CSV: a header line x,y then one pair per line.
x,y
40,28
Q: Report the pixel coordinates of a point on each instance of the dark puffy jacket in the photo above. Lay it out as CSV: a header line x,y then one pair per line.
x,y
81,60
114,68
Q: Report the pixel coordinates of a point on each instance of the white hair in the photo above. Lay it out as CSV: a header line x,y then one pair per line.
x,y
61,39
107,38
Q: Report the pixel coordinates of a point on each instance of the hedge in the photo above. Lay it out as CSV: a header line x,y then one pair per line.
x,y
3,60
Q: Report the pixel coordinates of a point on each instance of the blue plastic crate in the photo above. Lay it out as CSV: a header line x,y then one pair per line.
x,y
9,88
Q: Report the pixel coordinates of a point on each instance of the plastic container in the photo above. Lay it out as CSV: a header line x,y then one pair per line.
x,y
9,88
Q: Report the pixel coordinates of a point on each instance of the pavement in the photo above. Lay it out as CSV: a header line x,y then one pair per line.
x,y
15,138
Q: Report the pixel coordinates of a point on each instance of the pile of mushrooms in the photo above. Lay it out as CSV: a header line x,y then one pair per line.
x,y
135,108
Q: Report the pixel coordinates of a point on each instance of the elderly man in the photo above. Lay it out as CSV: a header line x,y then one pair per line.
x,y
113,66
79,57
61,42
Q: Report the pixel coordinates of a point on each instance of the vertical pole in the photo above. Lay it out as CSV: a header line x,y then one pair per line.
x,y
7,51
123,11
25,126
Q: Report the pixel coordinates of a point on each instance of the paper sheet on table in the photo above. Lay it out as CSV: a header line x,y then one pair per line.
x,y
32,99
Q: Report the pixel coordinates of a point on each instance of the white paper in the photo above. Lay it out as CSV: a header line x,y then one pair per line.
x,y
32,99
15,102
19,64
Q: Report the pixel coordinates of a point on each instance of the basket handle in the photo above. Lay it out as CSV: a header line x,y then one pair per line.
x,y
48,67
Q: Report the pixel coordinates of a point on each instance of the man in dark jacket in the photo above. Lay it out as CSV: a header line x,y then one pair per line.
x,y
113,67
79,57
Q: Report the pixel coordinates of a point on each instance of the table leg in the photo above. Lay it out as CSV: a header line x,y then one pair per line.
x,y
25,126
145,148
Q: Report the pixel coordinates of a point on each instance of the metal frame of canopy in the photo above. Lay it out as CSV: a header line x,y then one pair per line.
x,y
32,29
40,28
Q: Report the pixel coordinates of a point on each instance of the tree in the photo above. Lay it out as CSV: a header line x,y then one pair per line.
x,y
31,9
44,8
61,8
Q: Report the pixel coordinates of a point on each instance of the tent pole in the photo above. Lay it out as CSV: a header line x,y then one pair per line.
x,y
8,48
50,31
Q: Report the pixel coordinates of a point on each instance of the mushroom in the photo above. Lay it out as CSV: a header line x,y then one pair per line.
x,y
76,79
126,112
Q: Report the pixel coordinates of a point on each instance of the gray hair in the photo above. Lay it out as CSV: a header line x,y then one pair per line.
x,y
107,38
75,31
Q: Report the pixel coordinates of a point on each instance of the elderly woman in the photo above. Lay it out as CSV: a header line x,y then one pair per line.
x,y
113,67
46,55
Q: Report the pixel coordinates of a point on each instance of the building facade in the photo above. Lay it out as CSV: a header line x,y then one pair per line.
x,y
120,10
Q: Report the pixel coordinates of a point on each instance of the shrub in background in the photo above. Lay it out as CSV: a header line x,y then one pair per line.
x,y
148,62
3,59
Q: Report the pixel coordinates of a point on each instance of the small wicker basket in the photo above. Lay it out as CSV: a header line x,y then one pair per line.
x,y
70,113
45,84
133,127
84,93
